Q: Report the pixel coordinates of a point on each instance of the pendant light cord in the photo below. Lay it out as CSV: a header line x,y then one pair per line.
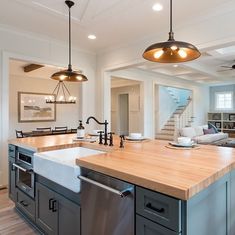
x,y
170,15
70,62
171,34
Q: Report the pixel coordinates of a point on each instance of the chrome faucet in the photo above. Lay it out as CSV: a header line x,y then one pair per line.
x,y
105,123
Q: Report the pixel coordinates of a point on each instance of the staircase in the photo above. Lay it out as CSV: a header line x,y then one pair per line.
x,y
181,117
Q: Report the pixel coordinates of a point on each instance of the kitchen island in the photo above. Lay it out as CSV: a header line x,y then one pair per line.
x,y
188,192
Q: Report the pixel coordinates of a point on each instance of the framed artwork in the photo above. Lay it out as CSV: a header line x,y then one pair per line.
x,y
231,117
218,124
32,107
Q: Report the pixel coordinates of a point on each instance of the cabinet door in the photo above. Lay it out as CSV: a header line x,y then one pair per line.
x,y
69,217
46,209
25,204
12,185
147,227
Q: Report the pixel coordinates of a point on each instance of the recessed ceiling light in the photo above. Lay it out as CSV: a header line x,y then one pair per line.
x,y
92,36
157,7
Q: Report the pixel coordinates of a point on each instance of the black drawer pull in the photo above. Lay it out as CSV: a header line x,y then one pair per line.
x,y
149,205
23,203
50,204
54,205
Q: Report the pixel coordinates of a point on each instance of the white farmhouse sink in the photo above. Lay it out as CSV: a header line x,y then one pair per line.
x,y
60,165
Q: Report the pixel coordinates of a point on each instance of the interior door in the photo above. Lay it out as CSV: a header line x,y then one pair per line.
x,y
124,114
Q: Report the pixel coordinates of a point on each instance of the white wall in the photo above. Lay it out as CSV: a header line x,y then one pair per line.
x,y
37,85
18,45
200,95
135,108
200,32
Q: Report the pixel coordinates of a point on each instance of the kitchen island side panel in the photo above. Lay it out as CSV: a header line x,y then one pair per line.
x,y
232,204
210,212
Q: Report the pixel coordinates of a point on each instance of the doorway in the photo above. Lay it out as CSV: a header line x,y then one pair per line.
x,y
126,106
124,114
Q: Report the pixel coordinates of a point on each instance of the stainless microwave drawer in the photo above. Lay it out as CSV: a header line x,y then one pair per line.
x,y
159,208
25,204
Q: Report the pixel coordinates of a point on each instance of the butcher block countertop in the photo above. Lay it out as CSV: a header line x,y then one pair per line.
x,y
178,173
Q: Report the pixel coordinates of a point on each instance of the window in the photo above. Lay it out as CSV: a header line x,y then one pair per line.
x,y
224,100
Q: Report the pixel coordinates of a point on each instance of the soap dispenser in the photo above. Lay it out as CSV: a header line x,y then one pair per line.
x,y
80,130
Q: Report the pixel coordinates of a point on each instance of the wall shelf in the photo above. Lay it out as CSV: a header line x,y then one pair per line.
x,y
224,121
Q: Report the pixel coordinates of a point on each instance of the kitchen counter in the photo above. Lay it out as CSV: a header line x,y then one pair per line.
x,y
178,173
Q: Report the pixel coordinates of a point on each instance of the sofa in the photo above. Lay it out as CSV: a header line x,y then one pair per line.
x,y
198,136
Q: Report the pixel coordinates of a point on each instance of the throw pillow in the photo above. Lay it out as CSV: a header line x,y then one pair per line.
x,y
211,126
208,131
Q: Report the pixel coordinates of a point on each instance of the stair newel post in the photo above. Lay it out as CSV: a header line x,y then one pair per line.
x,y
177,126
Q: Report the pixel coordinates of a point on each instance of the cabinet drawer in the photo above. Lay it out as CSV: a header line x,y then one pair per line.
x,y
26,204
11,150
159,208
147,227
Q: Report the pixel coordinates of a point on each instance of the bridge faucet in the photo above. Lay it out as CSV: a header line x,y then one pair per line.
x,y
105,123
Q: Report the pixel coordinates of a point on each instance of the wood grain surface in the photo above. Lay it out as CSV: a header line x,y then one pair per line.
x,y
11,222
178,173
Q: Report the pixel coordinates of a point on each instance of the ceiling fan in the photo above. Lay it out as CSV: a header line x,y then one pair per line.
x,y
227,68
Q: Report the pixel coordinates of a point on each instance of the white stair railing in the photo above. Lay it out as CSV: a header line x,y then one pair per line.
x,y
184,119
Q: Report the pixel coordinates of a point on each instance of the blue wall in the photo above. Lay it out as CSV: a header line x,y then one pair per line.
x,y
214,89
182,94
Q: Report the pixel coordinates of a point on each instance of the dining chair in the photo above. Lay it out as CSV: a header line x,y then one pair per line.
x,y
73,130
43,129
19,134
61,128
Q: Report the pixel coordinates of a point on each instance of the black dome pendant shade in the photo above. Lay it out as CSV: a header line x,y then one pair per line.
x,y
69,75
171,51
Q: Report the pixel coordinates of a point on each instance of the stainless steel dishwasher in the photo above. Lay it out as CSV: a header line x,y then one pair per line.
x,y
107,205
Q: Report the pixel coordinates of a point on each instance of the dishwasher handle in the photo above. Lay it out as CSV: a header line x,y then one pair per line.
x,y
122,193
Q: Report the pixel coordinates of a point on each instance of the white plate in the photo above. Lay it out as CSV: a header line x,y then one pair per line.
x,y
135,139
182,145
93,134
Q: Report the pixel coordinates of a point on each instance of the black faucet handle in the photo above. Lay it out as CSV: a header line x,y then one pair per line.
x,y
122,138
100,137
111,138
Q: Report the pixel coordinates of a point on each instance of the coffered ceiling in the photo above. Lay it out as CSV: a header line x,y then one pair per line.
x,y
122,22
114,22
205,70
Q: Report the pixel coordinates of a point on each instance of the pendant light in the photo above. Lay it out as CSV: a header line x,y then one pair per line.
x,y
68,74
61,95
171,51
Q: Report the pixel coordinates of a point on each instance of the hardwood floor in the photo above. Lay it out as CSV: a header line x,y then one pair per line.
x,y
11,223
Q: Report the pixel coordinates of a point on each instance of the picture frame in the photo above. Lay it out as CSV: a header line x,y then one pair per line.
x,y
231,117
32,107
218,125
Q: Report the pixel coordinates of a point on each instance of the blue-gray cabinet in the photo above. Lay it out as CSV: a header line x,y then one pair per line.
x,y
210,212
11,170
148,227
55,214
25,204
